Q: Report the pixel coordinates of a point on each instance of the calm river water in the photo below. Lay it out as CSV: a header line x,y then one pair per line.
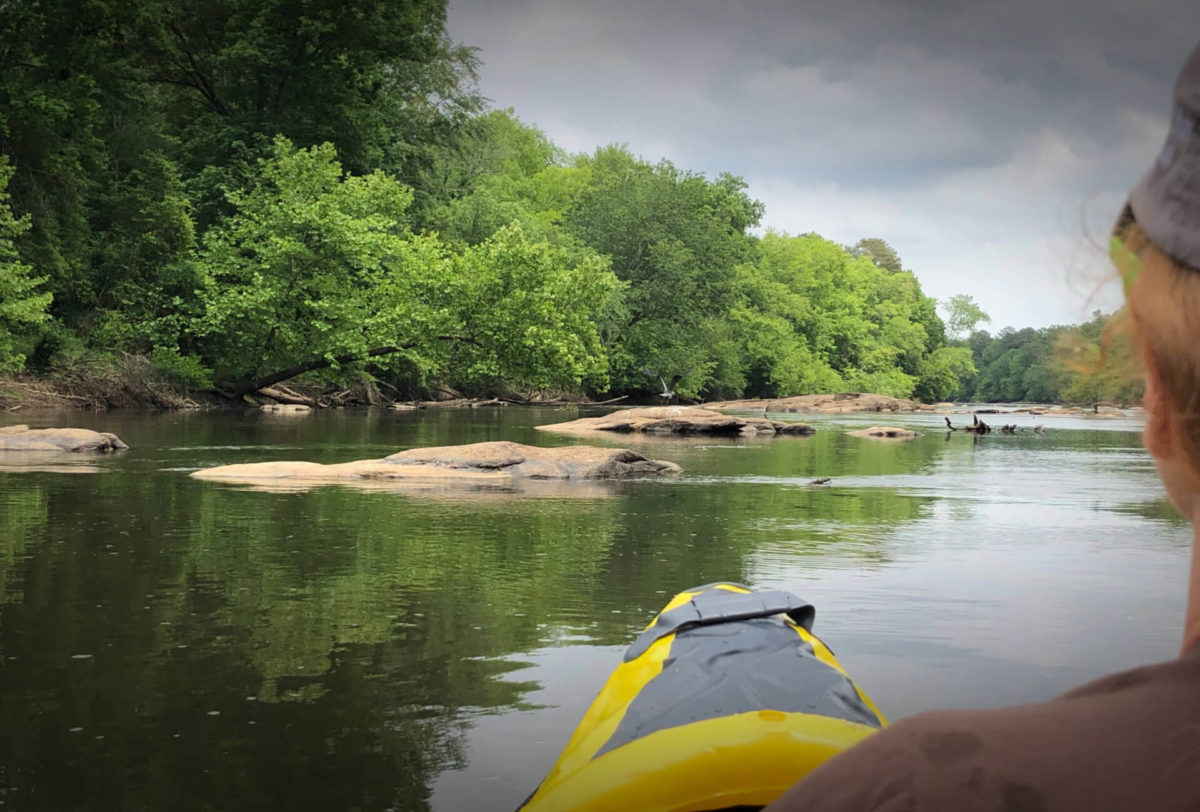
x,y
170,644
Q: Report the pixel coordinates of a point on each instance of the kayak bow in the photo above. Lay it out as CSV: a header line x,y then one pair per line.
x,y
724,701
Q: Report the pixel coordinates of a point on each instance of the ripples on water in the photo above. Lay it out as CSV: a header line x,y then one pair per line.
x,y
167,643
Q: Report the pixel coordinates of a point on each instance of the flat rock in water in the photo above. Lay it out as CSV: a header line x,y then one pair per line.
x,y
480,463
843,403
286,408
886,433
23,438
679,420
1072,411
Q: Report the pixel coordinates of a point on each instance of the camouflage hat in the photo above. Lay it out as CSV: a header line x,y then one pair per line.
x,y
1166,203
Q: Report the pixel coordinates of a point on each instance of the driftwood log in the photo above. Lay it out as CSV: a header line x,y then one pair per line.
x,y
283,394
979,427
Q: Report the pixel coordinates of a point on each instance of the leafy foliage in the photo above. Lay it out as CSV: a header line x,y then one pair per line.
x,y
945,369
963,315
879,252
1087,363
528,312
379,80
293,272
316,266
676,239
247,192
21,305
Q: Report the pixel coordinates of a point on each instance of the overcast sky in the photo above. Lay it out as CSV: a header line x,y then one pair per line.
x,y
990,143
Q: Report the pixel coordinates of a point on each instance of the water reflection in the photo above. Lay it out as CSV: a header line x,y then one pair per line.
x,y
172,643
48,462
443,489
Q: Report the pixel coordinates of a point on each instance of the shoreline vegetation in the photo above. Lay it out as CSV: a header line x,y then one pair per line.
x,y
211,204
137,387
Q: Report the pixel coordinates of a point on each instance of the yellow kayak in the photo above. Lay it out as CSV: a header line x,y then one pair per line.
x,y
723,702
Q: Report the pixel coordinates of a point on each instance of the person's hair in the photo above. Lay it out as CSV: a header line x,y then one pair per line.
x,y
1163,301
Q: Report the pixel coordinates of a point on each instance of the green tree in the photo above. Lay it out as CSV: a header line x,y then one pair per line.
x,y
409,235
879,252
963,315
925,312
816,318
379,80
316,270
82,129
1101,360
291,276
944,372
774,357
485,179
1005,362
675,238
21,304
527,315
1084,363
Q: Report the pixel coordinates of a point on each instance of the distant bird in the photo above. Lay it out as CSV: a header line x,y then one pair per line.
x,y
668,391
948,423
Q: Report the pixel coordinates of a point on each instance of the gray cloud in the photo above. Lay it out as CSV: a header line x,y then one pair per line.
x,y
983,140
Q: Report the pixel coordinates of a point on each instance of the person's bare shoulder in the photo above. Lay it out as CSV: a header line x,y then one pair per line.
x,y
959,760
1126,741
873,776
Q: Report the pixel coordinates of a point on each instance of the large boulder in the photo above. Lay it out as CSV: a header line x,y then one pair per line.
x,y
23,438
679,420
842,403
478,463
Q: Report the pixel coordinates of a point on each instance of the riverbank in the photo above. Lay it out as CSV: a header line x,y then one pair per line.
x,y
17,394
135,383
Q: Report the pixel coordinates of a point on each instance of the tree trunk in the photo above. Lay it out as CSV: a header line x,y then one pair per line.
x,y
246,386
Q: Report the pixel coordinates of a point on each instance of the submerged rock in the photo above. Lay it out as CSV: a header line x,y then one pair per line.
x,y
286,408
679,420
886,433
842,403
23,438
478,463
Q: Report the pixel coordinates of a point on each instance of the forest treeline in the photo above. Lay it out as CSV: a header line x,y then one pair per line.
x,y
1091,362
247,193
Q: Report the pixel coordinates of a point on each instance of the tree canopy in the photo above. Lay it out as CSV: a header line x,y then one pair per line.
x,y
963,315
21,304
1086,363
249,192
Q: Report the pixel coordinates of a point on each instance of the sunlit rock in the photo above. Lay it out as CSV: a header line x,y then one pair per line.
x,y
23,438
842,403
286,408
886,433
679,420
498,463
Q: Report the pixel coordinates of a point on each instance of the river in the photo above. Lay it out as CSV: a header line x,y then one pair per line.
x,y
172,644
